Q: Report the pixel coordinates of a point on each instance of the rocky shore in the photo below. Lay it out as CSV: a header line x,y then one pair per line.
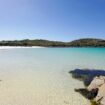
x,y
94,81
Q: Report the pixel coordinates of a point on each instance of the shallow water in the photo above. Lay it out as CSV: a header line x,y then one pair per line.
x,y
40,76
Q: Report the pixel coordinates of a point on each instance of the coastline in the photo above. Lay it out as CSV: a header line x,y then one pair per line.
x,y
16,47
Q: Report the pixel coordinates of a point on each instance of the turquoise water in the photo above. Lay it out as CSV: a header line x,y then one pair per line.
x,y
40,76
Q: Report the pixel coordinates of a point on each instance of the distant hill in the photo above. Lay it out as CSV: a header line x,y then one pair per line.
x,y
87,42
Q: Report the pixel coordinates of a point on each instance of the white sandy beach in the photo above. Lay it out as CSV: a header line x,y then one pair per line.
x,y
39,77
14,47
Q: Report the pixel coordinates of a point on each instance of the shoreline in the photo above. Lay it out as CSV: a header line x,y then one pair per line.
x,y
16,47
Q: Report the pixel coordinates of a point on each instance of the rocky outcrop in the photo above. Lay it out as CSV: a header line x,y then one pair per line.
x,y
98,82
95,91
94,80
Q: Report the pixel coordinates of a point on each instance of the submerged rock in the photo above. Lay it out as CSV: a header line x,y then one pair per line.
x,y
88,94
86,75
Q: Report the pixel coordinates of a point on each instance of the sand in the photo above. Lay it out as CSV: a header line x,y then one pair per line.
x,y
14,47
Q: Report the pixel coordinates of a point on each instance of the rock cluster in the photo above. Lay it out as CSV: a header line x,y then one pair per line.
x,y
98,83
94,81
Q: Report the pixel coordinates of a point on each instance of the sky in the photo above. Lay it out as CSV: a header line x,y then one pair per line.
x,y
62,20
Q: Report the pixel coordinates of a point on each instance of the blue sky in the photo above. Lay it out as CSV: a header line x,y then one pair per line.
x,y
63,20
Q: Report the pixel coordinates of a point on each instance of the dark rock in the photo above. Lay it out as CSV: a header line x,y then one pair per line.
x,y
86,75
88,94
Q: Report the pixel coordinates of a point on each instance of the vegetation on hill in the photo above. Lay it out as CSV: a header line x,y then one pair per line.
x,y
46,43
88,43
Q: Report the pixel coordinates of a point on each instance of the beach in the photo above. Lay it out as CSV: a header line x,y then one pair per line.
x,y
41,76
14,47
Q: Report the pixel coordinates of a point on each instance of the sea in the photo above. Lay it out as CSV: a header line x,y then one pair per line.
x,y
40,76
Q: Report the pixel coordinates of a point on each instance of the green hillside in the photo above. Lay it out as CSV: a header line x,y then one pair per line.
x,y
89,42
